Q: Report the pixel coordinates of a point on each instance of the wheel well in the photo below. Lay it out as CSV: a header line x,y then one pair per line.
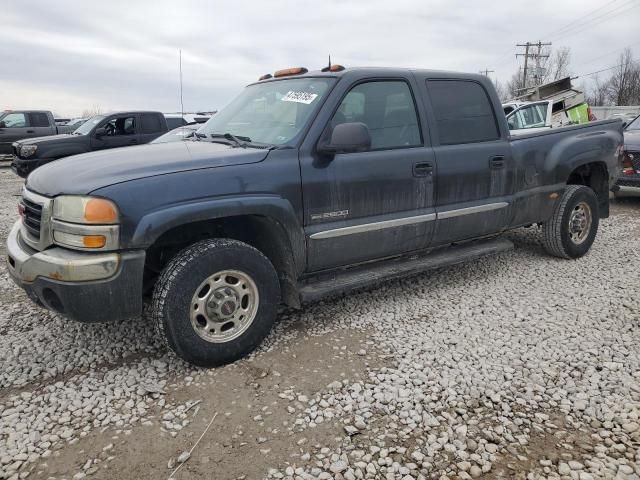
x,y
262,233
595,176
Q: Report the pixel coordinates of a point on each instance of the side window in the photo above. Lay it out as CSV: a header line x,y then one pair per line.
x,y
387,109
150,124
463,112
121,126
14,120
38,119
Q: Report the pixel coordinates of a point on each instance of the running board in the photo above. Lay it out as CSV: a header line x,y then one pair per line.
x,y
336,283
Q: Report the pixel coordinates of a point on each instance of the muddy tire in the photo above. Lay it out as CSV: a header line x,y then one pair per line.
x,y
573,226
216,301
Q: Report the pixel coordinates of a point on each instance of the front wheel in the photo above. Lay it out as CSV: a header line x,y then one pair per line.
x,y
216,301
572,228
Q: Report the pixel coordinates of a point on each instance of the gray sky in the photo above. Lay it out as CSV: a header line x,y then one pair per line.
x,y
70,55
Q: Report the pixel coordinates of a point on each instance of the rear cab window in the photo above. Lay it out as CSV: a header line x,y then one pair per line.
x,y
463,112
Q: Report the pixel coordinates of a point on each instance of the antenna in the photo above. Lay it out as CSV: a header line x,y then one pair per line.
x,y
181,103
329,60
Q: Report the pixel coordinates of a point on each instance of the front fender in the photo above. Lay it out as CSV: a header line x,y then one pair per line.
x,y
154,224
61,151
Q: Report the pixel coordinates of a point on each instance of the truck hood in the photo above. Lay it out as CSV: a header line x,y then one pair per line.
x,y
632,140
84,173
61,138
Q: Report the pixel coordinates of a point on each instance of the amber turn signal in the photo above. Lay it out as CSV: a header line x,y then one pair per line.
x,y
98,210
94,241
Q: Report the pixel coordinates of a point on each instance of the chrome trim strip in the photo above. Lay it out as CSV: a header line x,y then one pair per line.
x,y
471,210
110,232
369,227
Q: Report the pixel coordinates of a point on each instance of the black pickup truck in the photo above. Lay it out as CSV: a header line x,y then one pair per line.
x,y
118,129
20,124
308,184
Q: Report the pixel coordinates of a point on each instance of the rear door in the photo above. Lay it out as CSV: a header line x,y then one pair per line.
x,y
152,125
475,172
40,124
372,204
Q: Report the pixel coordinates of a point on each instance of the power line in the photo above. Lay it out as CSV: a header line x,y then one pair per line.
x,y
486,72
579,19
603,70
609,53
592,22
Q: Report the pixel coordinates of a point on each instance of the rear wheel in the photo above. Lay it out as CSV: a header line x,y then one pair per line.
x,y
572,228
216,301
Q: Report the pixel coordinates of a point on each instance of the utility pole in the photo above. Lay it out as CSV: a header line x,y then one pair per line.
x,y
486,72
537,56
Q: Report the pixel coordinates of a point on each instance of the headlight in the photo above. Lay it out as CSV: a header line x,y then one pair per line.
x,y
85,223
27,150
85,210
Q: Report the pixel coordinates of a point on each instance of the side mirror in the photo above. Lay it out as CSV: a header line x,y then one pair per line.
x,y
3,125
100,132
347,138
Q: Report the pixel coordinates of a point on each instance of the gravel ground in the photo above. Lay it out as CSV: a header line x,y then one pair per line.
x,y
515,366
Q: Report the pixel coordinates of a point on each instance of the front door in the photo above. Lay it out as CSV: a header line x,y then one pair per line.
x,y
373,204
475,167
13,126
120,131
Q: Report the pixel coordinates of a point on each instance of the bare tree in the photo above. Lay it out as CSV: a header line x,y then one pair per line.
x,y
502,90
560,64
90,112
554,67
597,95
515,86
624,84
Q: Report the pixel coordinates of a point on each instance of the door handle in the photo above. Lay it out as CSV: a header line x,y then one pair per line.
x,y
422,169
497,162
30,131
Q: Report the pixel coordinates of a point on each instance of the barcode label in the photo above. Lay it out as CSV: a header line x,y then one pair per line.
x,y
299,97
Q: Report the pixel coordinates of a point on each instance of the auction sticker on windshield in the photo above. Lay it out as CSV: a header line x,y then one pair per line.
x,y
299,97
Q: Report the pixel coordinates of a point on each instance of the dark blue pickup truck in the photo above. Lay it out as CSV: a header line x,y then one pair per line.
x,y
308,184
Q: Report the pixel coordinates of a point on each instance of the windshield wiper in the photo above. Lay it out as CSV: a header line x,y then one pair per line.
x,y
238,140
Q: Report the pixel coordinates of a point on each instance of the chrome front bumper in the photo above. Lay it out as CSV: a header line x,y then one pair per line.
x,y
26,264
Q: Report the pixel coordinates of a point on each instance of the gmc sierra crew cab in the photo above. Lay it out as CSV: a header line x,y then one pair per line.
x,y
308,184
118,129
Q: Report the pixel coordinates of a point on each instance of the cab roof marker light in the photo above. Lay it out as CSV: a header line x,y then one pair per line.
x,y
290,71
333,68
266,76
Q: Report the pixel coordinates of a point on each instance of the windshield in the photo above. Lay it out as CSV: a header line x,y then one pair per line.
x,y
634,125
87,126
272,113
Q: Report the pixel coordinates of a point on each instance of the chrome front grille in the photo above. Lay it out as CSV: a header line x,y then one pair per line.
x,y
36,220
32,217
